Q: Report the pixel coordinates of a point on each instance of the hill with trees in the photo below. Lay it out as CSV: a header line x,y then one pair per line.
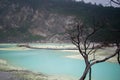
x,y
46,20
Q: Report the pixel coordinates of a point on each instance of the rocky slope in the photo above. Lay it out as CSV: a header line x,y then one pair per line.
x,y
22,23
43,20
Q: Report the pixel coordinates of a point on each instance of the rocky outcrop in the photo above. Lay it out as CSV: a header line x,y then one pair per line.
x,y
22,23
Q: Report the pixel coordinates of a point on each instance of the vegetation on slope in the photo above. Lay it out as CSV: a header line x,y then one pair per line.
x,y
37,20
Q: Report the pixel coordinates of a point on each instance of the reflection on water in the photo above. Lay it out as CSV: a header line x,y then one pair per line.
x,y
53,62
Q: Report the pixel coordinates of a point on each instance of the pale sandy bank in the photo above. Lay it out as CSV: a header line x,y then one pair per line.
x,y
100,54
9,72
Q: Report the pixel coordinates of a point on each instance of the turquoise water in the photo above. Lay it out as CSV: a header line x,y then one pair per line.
x,y
7,45
53,62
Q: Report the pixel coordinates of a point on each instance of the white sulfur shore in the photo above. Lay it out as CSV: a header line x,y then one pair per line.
x,y
97,57
21,74
39,45
100,54
8,72
14,48
53,46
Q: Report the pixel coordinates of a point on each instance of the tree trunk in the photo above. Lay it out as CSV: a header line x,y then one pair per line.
x,y
90,72
88,67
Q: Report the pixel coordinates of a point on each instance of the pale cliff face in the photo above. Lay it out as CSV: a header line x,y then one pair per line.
x,y
46,20
21,23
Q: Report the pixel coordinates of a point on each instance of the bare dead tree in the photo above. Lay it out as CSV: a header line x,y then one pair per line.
x,y
111,1
115,1
80,36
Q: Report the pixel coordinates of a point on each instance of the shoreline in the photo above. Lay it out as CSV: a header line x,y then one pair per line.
x,y
9,72
101,53
19,73
48,46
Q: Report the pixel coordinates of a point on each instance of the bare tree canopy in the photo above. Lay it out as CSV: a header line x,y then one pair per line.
x,y
115,1
80,35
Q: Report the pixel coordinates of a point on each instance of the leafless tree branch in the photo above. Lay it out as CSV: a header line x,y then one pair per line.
x,y
115,1
105,59
81,37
